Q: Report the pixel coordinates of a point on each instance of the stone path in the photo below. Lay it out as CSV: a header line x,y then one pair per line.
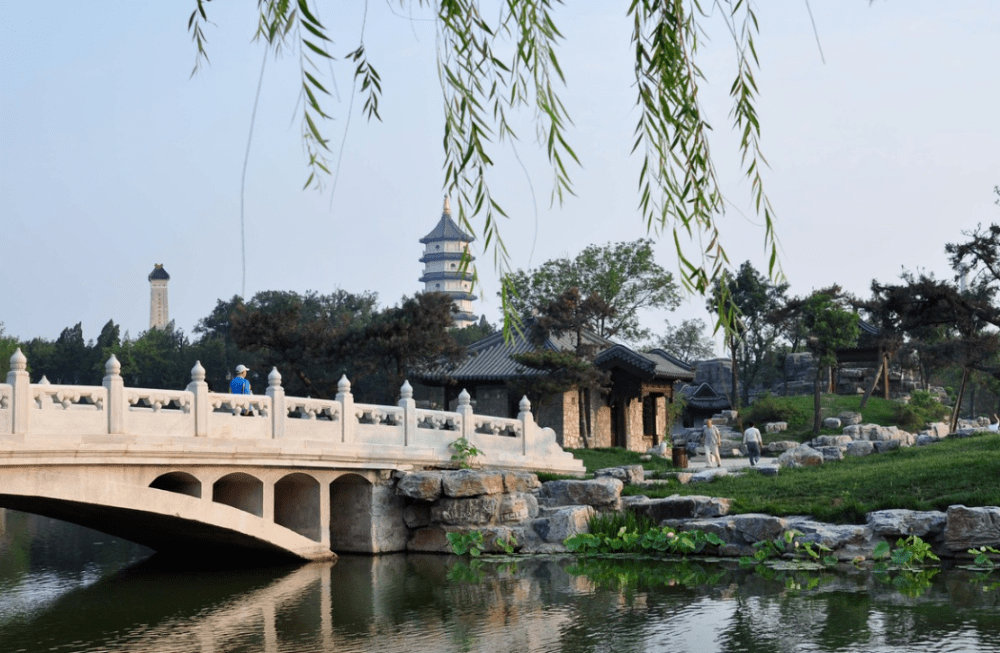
x,y
697,463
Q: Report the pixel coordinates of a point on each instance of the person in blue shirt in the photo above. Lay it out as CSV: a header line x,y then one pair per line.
x,y
239,385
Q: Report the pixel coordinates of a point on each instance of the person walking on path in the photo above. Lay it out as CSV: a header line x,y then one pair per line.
x,y
752,439
710,439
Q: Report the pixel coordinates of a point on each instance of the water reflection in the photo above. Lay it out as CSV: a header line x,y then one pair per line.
x,y
401,603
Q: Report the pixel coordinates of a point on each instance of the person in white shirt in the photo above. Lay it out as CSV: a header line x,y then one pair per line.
x,y
752,439
710,439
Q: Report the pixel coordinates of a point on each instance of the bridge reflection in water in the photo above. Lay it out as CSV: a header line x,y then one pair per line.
x,y
433,604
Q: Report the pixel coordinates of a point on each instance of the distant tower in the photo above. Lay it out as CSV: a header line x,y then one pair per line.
x,y
159,311
442,259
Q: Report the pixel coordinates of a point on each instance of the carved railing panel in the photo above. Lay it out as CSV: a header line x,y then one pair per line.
x,y
67,397
144,399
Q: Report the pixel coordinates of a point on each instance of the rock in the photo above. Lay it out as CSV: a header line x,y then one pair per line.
x,y
831,441
661,450
886,445
848,418
417,515
604,492
970,528
514,482
739,532
517,508
831,423
767,470
555,526
709,475
775,427
471,483
475,511
831,453
859,448
894,524
775,448
925,438
627,474
938,429
422,486
678,507
801,456
495,534
844,540
432,539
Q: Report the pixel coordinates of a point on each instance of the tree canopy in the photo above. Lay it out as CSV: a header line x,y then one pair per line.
x,y
624,277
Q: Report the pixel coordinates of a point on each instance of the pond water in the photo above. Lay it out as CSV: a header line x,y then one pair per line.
x,y
64,588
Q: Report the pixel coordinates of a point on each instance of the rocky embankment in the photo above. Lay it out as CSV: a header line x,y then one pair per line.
x,y
507,506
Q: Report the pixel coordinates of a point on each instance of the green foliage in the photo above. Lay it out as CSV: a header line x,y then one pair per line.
x,y
465,452
470,543
625,276
910,554
768,408
922,409
687,341
493,64
628,533
983,557
790,545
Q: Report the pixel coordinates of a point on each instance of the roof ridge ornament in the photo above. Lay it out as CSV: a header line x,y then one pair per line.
x,y
447,205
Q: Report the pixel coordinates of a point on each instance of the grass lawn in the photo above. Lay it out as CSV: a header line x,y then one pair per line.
x,y
962,471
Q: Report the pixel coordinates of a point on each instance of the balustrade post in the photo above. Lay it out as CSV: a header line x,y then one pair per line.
x,y
527,425
467,418
347,418
200,403
279,413
114,385
409,407
20,400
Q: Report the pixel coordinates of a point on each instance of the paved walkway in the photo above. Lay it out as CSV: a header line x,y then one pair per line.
x,y
697,463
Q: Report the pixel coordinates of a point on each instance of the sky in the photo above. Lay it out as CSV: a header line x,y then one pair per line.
x,y
882,140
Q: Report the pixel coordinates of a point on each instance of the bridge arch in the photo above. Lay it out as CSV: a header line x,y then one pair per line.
x,y
351,514
297,504
179,482
240,490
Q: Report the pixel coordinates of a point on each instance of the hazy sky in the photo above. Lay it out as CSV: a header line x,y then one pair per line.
x,y
112,158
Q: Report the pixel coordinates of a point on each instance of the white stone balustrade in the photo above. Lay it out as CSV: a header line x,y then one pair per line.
x,y
195,419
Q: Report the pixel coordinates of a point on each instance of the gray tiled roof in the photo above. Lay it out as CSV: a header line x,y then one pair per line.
x,y
656,364
489,360
446,229
705,397
158,273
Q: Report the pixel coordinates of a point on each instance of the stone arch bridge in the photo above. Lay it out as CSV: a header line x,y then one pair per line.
x,y
238,474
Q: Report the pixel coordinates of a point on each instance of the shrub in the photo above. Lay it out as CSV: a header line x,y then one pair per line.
x,y
769,408
922,408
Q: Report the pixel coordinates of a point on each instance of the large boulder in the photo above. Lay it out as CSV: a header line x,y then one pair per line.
x,y
831,423
775,427
779,447
627,474
678,507
831,441
801,456
471,483
859,448
831,453
604,492
552,527
848,418
422,486
890,524
971,528
709,475
475,511
514,482
846,541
